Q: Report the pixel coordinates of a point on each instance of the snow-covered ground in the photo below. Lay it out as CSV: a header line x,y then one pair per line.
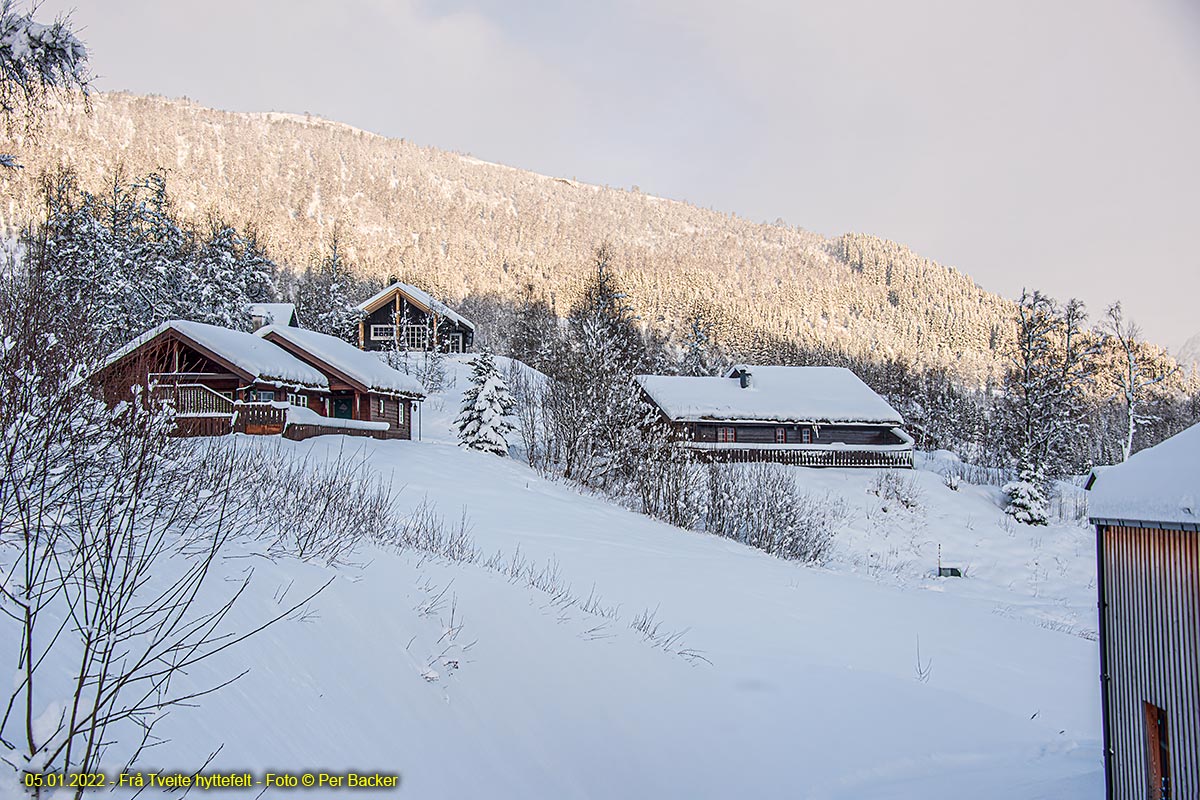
x,y
783,681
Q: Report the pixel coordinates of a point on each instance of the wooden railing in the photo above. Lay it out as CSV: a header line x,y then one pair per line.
x,y
194,400
259,418
888,459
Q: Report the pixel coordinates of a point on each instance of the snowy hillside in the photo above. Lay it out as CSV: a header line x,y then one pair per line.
x,y
593,653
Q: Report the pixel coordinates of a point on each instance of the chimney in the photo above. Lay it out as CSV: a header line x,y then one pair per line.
x,y
744,377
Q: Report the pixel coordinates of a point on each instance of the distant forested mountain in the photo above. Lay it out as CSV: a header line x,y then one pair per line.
x,y
461,227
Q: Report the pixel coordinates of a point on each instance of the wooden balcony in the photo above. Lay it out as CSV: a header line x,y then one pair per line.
x,y
797,456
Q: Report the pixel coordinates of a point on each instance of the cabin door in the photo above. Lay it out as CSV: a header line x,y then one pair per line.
x,y
343,408
1158,754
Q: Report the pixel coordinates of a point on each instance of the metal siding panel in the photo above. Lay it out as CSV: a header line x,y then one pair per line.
x,y
1152,587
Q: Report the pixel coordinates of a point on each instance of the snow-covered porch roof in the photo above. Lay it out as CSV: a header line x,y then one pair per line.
x,y
343,360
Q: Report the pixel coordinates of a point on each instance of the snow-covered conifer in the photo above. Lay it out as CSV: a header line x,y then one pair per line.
x,y
484,423
1026,499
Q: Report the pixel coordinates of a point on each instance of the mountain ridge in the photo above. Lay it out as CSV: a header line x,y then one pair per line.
x,y
461,226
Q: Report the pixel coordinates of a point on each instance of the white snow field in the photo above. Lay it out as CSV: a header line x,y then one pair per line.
x,y
804,682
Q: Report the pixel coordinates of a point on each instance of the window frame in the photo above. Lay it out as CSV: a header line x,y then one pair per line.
x,y
806,436
410,342
389,334
726,434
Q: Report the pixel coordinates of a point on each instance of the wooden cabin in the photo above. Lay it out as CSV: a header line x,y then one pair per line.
x,y
807,416
361,386
407,318
222,381
1147,517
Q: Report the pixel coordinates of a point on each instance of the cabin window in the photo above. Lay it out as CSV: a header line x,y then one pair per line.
x,y
780,435
416,337
298,400
1158,754
263,397
726,434
400,412
454,343
382,405
806,435
384,332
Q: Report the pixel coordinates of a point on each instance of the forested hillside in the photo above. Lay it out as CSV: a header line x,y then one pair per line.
x,y
462,227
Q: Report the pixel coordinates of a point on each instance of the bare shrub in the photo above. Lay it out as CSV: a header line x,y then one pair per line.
x,y
891,484
110,532
425,531
760,505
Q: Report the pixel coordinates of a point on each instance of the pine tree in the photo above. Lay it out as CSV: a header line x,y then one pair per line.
x,y
323,294
484,422
38,63
697,358
1026,498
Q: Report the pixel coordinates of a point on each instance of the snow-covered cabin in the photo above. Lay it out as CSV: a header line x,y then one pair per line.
x,y
809,416
1147,517
361,386
282,380
215,377
264,314
406,317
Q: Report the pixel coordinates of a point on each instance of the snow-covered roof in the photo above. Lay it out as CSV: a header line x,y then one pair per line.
x,y
774,394
261,360
1159,484
273,313
418,296
359,366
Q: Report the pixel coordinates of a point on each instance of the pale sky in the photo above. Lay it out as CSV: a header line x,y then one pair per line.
x,y
1053,144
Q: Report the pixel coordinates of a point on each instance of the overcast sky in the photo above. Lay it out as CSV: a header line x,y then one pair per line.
x,y
1050,143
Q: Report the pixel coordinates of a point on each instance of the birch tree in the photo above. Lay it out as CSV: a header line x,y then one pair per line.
x,y
1137,372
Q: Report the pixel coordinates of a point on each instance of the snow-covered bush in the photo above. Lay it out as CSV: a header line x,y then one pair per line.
x,y
484,422
1026,500
892,484
760,505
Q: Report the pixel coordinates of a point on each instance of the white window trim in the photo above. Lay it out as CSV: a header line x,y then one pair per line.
x,y
382,406
419,342
386,333
264,397
298,400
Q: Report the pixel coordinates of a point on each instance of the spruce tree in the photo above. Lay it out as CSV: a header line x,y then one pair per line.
x,y
484,421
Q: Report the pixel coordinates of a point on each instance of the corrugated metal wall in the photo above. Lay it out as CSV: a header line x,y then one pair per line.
x,y
1152,652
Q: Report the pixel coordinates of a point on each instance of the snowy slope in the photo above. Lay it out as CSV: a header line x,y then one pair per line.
x,y
807,685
